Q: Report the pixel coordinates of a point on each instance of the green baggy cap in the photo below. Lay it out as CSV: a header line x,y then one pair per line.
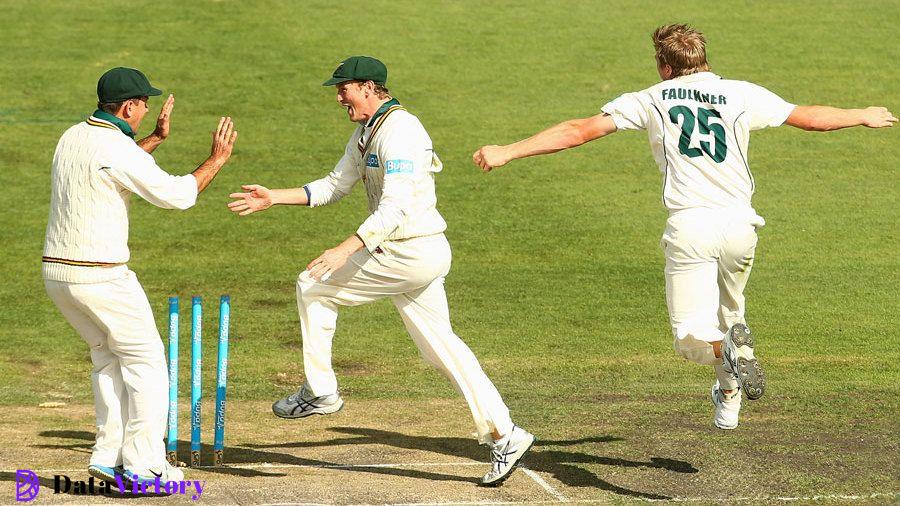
x,y
122,83
359,68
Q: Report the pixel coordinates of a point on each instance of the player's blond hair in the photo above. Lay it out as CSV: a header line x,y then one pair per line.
x,y
681,47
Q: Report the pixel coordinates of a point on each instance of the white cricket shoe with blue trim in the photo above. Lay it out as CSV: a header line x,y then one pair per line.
x,y
105,473
728,406
303,403
506,454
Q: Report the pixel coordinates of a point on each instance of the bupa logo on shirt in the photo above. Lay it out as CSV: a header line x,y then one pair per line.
x,y
398,167
372,161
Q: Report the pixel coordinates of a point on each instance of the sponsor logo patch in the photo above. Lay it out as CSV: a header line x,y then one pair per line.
x,y
398,167
372,161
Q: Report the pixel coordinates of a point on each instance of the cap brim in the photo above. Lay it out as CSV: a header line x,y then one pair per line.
x,y
154,92
336,80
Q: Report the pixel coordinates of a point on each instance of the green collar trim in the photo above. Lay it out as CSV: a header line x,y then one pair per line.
x,y
115,120
381,110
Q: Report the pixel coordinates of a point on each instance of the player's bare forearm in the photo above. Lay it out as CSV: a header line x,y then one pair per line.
x,y
289,196
256,198
556,138
823,118
151,142
565,135
206,172
350,245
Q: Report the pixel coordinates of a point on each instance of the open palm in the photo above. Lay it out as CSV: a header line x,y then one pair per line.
x,y
256,198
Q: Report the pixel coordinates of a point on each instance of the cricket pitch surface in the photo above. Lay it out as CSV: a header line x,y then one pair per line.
x,y
418,452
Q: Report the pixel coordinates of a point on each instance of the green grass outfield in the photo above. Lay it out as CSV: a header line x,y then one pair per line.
x,y
557,280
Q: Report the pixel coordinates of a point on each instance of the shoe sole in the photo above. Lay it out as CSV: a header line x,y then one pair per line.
x,y
747,369
317,411
102,475
501,479
712,395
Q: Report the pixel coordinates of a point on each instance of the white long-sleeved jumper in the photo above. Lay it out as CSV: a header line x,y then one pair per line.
x,y
96,168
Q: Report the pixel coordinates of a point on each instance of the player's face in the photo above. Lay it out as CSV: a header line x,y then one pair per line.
x,y
354,96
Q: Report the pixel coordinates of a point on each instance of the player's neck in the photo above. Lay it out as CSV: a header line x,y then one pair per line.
x,y
379,106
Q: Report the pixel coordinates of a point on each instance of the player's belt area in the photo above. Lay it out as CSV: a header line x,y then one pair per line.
x,y
78,263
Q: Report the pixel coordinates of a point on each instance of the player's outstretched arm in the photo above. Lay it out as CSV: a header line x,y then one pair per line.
x,y
565,135
161,132
822,118
259,198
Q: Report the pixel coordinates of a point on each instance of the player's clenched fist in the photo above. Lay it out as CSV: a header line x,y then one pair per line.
x,y
490,157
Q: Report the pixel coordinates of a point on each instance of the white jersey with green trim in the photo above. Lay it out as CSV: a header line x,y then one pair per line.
x,y
699,128
393,155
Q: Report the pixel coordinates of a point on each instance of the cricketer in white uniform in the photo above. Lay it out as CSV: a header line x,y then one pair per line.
x,y
699,128
96,168
399,252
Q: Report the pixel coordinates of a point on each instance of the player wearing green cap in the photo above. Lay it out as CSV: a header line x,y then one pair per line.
x,y
96,168
398,252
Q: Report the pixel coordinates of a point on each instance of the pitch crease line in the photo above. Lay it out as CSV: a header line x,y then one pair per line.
x,y
543,483
345,466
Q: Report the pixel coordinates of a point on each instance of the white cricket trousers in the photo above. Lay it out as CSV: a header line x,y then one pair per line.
x,y
129,378
411,272
709,254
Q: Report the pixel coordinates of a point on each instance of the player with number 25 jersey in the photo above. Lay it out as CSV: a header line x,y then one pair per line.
x,y
699,127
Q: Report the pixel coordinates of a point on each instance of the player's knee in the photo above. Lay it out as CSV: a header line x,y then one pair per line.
x,y
134,351
692,340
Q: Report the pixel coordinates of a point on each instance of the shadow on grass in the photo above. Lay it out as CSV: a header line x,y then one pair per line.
x,y
184,450
562,465
249,455
68,434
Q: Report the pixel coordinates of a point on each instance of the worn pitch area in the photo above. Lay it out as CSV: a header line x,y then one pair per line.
x,y
387,451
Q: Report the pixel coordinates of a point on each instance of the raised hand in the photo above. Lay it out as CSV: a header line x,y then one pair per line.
x,y
256,198
223,140
162,122
878,117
